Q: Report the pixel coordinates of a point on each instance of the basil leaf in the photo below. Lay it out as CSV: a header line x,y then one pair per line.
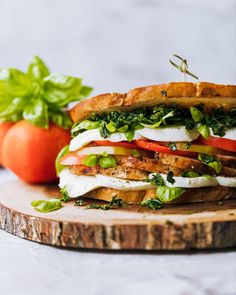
x,y
129,135
153,204
46,206
64,195
82,126
12,107
107,161
156,179
135,153
190,174
210,161
61,89
63,152
85,91
38,96
196,114
124,128
91,160
111,127
37,113
204,131
37,69
14,83
60,118
170,178
167,194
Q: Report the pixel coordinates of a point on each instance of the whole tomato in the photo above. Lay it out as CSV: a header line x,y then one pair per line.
x,y
30,151
4,127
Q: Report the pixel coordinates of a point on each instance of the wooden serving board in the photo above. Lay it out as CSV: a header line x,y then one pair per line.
x,y
199,226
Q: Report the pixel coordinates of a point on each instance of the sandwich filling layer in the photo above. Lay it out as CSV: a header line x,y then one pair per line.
x,y
164,148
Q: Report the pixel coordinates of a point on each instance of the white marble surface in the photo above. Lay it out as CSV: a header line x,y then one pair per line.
x,y
28,268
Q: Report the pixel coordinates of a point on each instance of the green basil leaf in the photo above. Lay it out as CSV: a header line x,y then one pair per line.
x,y
46,206
61,89
153,204
196,114
107,161
190,174
135,153
210,161
91,160
60,118
84,125
85,91
37,113
204,131
37,69
124,128
129,135
14,83
12,107
156,179
170,178
167,194
63,152
111,127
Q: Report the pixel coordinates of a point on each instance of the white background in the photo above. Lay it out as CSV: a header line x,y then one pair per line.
x,y
115,46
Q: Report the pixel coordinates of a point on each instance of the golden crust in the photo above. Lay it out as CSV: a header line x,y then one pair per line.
x,y
183,93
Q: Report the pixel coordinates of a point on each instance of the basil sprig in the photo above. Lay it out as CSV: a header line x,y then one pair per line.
x,y
46,206
211,161
38,96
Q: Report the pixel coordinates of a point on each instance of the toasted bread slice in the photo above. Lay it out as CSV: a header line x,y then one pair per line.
x,y
184,94
195,195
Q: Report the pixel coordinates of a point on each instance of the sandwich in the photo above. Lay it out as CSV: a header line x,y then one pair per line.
x,y
168,143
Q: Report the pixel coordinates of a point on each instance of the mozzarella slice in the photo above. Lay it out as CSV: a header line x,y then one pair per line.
x,y
123,184
78,185
88,136
178,133
187,182
229,134
226,181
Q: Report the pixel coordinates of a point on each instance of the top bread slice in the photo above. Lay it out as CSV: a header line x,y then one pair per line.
x,y
184,94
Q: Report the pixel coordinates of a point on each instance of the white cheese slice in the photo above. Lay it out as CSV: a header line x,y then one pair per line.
x,y
177,133
88,136
189,182
226,181
78,185
229,134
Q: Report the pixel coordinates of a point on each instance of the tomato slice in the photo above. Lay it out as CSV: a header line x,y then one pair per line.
x,y
72,159
220,143
156,147
122,143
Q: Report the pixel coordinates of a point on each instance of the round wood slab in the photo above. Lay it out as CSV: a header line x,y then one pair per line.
x,y
199,226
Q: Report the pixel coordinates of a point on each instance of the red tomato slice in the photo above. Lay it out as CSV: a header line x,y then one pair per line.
x,y
220,143
122,143
72,159
156,147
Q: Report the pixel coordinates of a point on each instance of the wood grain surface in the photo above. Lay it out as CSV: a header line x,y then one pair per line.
x,y
177,227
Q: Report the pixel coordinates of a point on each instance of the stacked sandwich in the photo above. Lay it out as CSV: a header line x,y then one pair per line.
x,y
173,142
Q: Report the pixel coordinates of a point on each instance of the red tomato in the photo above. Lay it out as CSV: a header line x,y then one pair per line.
x,y
122,143
220,143
30,151
4,127
72,159
156,147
